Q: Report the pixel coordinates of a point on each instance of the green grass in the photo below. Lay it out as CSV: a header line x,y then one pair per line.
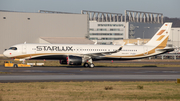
x,y
90,91
5,73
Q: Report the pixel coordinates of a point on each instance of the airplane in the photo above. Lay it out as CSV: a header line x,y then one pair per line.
x,y
76,54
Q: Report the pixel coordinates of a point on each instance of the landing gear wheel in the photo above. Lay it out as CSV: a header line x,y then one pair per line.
x,y
86,65
91,65
15,66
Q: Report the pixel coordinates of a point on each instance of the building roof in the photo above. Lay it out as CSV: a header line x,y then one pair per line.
x,y
67,40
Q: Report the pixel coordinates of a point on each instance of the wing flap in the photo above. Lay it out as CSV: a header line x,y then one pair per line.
x,y
105,53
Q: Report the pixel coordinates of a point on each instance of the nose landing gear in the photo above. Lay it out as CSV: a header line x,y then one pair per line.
x,y
90,65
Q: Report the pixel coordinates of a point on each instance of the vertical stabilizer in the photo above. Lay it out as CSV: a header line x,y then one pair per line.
x,y
160,39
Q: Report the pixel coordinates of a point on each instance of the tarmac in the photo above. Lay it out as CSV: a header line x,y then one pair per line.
x,y
79,73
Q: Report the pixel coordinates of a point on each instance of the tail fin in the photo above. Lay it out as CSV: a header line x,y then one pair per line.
x,y
160,39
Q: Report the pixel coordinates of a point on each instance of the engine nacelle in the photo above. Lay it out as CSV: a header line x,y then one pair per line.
x,y
63,62
72,60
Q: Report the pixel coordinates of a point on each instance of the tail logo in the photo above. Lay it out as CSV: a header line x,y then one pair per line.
x,y
160,32
159,39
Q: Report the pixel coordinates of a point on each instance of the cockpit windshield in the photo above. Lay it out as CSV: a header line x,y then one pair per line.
x,y
12,48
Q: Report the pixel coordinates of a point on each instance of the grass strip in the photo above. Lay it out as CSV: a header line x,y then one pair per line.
x,y
90,91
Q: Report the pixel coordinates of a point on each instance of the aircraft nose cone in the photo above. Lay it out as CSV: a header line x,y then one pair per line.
x,y
5,53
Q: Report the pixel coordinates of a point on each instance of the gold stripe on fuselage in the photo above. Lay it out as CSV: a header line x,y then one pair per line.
x,y
41,54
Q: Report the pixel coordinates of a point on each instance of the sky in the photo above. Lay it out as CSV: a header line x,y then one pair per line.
x,y
169,8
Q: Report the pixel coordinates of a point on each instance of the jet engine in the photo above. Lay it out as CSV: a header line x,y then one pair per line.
x,y
72,60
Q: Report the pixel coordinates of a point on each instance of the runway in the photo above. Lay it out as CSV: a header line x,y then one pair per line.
x,y
78,73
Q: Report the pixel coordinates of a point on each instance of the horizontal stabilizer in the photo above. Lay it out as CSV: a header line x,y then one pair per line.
x,y
167,49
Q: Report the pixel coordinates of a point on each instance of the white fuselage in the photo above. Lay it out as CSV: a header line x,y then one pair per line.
x,y
27,51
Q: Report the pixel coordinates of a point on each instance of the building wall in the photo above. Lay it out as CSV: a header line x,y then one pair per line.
x,y
18,27
136,30
128,30
132,41
174,38
106,32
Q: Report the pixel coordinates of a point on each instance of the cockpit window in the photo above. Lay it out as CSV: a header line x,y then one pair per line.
x,y
12,48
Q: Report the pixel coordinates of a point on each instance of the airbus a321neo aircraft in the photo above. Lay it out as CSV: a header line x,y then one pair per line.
x,y
76,54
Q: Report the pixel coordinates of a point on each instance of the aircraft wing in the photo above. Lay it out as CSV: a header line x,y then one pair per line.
x,y
104,53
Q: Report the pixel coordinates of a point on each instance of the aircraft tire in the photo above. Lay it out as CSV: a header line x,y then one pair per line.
x,y
15,66
86,65
91,65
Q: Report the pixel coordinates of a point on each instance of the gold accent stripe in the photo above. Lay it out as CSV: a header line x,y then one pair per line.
x,y
159,39
160,32
161,46
39,54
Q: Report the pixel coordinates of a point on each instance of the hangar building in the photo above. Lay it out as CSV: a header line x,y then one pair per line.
x,y
106,27
20,27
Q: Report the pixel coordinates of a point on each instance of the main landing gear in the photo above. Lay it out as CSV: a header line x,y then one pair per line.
x,y
90,65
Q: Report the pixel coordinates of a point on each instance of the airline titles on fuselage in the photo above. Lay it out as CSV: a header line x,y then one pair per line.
x,y
54,48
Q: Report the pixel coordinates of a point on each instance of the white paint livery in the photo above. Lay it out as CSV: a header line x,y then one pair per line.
x,y
157,45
